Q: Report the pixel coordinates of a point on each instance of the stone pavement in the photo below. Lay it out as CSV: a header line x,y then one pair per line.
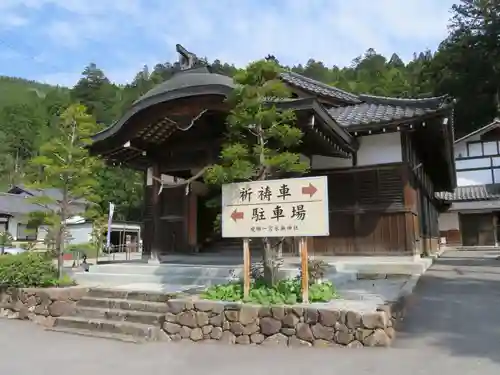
x,y
453,327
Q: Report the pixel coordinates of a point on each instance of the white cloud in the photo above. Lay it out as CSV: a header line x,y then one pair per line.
x,y
334,32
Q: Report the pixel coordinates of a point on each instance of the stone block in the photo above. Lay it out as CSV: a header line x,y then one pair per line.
x,y
290,320
216,320
374,320
228,337
377,338
201,318
243,339
232,315
171,328
322,332
277,339
176,306
311,315
237,328
269,326
328,318
304,332
352,319
216,333
248,314
293,341
185,332
257,338
188,319
196,334
60,308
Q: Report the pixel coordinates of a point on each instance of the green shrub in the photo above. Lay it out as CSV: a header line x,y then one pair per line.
x,y
287,291
28,270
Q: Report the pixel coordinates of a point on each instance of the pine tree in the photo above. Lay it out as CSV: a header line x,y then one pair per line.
x,y
67,165
259,139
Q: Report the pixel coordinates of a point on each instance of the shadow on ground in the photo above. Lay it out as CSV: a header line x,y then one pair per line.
x,y
456,307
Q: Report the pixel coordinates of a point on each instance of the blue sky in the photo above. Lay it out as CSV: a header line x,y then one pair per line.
x,y
53,40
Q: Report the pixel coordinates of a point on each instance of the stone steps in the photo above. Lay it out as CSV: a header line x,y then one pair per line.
x,y
130,316
129,295
133,316
178,283
123,304
141,331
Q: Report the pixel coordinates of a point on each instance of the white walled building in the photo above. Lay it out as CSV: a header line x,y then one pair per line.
x,y
474,207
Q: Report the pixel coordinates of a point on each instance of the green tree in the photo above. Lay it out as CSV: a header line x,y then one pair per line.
x,y
95,91
467,64
259,140
67,166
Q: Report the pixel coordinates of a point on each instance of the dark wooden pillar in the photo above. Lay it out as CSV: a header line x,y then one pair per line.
x,y
156,213
191,221
410,204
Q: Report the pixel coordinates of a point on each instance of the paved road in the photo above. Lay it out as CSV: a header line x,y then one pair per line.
x,y
453,328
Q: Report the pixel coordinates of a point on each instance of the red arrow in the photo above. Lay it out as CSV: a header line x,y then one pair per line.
x,y
309,190
236,215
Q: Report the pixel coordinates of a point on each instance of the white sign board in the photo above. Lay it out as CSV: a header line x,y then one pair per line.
x,y
294,207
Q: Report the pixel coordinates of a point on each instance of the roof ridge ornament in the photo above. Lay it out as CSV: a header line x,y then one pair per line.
x,y
186,59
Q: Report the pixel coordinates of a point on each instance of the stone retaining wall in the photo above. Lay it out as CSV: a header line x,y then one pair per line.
x,y
301,325
41,305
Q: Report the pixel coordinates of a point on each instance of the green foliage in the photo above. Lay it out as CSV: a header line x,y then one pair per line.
x,y
286,291
5,240
317,269
259,134
260,138
28,270
67,166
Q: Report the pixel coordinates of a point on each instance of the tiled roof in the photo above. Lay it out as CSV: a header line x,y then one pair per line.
x,y
17,204
485,129
52,193
471,193
378,110
318,88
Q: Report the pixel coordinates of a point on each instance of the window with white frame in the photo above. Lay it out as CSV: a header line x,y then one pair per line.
x,y
26,233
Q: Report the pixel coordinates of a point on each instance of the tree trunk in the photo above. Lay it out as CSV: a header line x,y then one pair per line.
x,y
269,263
62,233
59,251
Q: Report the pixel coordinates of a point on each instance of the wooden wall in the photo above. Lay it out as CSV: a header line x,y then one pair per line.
x,y
368,215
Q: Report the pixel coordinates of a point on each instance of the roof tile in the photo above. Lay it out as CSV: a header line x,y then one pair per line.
x,y
377,110
318,88
471,193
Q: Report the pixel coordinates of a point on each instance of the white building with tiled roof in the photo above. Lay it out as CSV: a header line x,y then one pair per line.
x,y
474,207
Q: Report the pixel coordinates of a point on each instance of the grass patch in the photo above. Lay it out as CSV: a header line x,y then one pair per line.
x,y
286,291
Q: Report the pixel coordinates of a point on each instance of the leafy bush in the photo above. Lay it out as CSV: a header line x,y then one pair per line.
x,y
287,291
317,269
28,270
5,240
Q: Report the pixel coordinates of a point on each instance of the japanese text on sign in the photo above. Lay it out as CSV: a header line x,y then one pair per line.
x,y
276,208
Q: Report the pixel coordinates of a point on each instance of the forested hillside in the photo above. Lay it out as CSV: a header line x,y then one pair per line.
x,y
466,66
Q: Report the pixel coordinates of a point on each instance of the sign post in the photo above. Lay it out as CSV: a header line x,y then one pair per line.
x,y
304,267
295,207
246,268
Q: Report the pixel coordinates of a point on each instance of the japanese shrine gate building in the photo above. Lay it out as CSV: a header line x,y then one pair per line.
x,y
385,159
